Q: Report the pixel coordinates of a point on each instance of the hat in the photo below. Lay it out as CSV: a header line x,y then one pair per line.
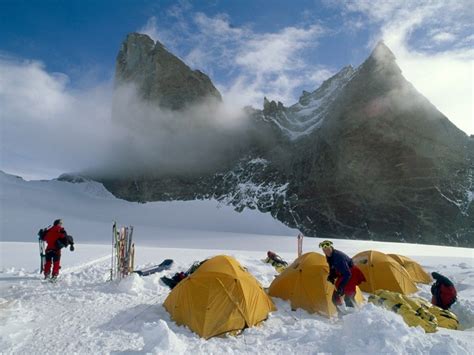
x,y
58,221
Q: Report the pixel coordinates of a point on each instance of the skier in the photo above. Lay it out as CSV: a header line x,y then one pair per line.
x,y
56,238
342,273
443,291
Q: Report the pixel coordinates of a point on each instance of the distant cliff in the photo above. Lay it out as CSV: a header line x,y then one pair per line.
x,y
364,156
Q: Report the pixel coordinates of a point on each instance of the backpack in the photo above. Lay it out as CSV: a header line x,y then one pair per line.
x,y
42,233
64,242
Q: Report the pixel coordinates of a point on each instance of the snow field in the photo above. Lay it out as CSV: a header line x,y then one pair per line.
x,y
84,313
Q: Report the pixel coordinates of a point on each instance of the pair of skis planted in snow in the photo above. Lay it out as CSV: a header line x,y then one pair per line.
x,y
123,252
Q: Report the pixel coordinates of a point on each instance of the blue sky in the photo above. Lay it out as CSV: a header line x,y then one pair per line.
x,y
58,57
77,37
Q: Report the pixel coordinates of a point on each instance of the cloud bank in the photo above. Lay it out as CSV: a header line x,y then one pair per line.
x,y
46,128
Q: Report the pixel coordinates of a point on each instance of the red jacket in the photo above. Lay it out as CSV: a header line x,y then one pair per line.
x,y
53,235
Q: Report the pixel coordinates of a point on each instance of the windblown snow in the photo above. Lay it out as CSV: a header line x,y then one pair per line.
x,y
308,113
86,314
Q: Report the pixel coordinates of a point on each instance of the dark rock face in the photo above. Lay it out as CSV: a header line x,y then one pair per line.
x,y
159,75
386,164
364,156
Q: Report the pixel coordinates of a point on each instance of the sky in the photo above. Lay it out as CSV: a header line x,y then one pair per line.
x,y
57,60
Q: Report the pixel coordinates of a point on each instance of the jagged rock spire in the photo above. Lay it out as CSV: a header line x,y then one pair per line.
x,y
161,77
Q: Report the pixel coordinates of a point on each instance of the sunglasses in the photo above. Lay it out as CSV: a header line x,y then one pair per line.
x,y
325,245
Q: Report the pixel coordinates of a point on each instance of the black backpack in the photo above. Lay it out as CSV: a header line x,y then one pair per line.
x,y
64,242
42,233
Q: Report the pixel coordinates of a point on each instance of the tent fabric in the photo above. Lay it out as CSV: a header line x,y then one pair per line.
x,y
416,311
415,270
304,283
219,297
383,273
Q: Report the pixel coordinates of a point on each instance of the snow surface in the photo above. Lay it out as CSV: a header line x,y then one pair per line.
x,y
86,314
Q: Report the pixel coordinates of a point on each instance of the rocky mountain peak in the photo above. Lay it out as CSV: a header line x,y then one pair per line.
x,y
271,107
363,156
159,76
381,59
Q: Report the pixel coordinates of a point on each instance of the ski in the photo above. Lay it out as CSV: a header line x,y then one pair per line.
x,y
165,265
42,247
123,252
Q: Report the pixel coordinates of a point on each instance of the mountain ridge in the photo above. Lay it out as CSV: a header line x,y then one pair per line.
x,y
363,156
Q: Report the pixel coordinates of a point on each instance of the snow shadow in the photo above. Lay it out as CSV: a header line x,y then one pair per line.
x,y
133,319
18,278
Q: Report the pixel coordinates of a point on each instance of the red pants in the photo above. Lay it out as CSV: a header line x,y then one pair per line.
x,y
357,277
55,257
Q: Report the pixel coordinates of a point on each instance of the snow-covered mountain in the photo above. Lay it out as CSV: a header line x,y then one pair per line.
x,y
86,314
309,112
89,210
364,156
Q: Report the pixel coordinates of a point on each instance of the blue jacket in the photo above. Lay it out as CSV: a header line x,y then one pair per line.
x,y
340,266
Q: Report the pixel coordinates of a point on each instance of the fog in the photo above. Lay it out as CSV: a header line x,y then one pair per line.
x,y
48,128
154,140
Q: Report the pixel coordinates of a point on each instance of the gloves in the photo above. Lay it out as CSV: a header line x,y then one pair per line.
x,y
340,292
71,248
331,279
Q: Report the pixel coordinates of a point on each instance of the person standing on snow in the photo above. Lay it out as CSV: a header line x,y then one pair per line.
x,y
443,291
56,238
342,273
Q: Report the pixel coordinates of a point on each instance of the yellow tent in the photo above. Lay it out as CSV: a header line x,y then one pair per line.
x,y
219,297
304,283
383,273
417,273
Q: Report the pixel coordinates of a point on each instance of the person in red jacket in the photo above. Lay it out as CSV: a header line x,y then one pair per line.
x,y
343,274
56,239
443,291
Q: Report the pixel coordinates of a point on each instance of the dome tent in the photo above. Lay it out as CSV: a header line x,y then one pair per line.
x,y
219,297
415,270
383,273
304,283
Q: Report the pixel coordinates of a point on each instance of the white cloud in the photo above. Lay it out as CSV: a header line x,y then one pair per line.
x,y
258,64
277,52
442,37
445,76
47,128
320,74
150,28
42,95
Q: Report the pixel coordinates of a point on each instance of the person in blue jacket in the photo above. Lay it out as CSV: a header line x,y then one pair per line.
x,y
342,273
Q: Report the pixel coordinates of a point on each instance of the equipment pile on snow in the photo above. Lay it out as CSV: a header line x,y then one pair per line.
x,y
416,311
276,261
